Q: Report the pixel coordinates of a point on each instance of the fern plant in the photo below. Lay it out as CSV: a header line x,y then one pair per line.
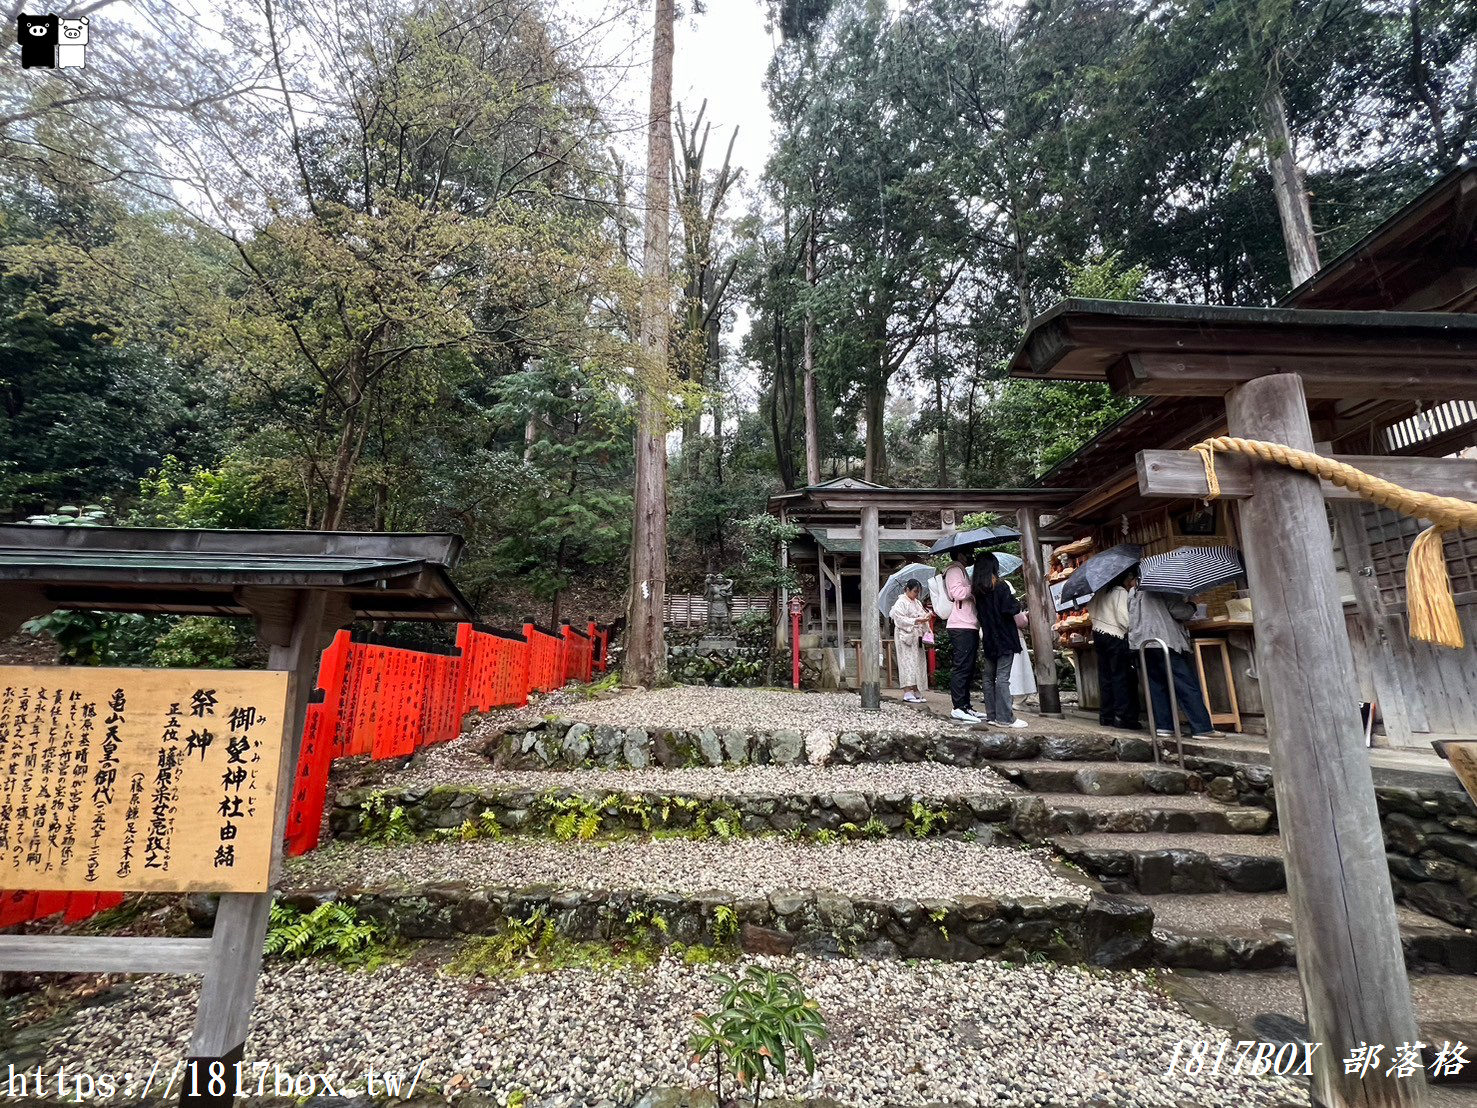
x,y
761,1019
331,930
384,821
923,820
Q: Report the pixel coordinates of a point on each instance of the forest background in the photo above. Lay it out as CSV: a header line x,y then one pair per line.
x,y
267,267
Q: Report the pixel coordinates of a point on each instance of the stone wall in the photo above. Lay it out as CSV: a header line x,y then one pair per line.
x,y
430,809
1102,930
1430,836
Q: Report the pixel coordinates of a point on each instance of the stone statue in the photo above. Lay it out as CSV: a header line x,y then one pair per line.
x,y
718,591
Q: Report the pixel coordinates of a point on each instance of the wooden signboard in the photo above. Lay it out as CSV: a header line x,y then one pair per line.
x,y
139,780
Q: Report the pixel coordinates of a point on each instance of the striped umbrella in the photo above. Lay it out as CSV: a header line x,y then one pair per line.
x,y
1190,569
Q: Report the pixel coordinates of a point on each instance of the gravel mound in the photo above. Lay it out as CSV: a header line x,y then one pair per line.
x,y
447,766
693,707
981,1033
885,869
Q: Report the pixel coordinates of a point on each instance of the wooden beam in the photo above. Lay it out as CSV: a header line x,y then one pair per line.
x,y
1181,473
869,671
102,954
1349,955
914,534
938,500
1039,612
1325,377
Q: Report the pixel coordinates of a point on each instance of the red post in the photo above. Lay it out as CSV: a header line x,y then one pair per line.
x,y
797,607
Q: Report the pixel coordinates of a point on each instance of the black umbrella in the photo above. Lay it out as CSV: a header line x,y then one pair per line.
x,y
1190,569
1100,569
980,536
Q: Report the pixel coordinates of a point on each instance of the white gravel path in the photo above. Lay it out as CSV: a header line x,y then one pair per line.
x,y
982,1033
885,869
447,766
693,707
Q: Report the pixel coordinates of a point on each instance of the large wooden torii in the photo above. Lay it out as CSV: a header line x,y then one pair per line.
x,y
1266,363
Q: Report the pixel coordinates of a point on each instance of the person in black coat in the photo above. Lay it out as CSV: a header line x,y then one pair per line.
x,y
1000,639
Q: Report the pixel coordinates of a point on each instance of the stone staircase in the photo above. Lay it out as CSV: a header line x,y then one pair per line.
x,y
1157,871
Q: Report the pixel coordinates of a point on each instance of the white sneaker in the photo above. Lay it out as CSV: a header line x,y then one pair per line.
x,y
966,716
1016,723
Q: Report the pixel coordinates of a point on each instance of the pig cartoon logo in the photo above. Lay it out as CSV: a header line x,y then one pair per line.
x,y
71,47
38,36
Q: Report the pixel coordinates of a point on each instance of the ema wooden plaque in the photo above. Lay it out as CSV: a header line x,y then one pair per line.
x,y
135,780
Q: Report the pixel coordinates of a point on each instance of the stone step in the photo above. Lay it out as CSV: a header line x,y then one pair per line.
x,y
1069,814
1043,775
571,743
1214,931
936,899
1185,863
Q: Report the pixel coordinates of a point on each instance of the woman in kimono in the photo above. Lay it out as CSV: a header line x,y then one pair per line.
x,y
910,620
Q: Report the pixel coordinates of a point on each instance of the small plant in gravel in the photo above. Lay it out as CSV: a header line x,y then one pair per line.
x,y
385,821
332,930
874,828
924,821
761,1018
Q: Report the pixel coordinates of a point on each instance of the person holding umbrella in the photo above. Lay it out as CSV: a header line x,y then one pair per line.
x,y
1000,638
909,620
964,640
1118,703
1157,615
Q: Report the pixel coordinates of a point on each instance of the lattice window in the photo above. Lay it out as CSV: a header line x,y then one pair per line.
x,y
1390,535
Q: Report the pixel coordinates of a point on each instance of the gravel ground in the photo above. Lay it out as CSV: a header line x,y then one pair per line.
x,y
885,869
447,765
693,707
982,1033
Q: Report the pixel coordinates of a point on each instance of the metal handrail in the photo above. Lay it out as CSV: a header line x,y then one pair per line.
x,y
1174,704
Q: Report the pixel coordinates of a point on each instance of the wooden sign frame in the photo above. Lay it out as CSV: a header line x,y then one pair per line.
x,y
296,624
1462,754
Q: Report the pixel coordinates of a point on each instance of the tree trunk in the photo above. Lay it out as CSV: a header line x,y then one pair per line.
x,y
812,406
942,477
1287,186
646,646
875,466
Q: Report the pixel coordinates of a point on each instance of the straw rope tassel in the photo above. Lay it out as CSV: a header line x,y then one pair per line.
x,y
1429,598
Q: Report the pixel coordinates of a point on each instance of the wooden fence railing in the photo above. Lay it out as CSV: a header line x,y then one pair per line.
x,y
683,610
387,702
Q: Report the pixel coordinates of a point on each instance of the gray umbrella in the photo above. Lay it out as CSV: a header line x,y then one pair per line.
x,y
980,536
1098,570
892,588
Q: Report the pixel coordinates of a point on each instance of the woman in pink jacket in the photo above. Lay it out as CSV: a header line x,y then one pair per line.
x,y
964,639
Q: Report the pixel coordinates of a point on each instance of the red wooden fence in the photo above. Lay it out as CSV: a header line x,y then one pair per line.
x,y
387,702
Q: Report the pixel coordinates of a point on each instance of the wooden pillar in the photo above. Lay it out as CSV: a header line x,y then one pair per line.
x,y
782,598
1383,634
840,621
1348,944
229,988
820,582
870,676
1039,612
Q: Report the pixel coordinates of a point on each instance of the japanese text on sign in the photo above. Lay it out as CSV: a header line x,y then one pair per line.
x,y
137,779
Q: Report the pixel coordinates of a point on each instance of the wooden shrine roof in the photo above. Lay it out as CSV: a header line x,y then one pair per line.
x,y
1205,350
1422,258
199,572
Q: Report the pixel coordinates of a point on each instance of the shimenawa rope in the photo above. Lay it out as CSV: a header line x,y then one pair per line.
x,y
1429,599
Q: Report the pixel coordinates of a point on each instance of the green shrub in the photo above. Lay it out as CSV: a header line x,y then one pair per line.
x,y
761,1018
330,930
